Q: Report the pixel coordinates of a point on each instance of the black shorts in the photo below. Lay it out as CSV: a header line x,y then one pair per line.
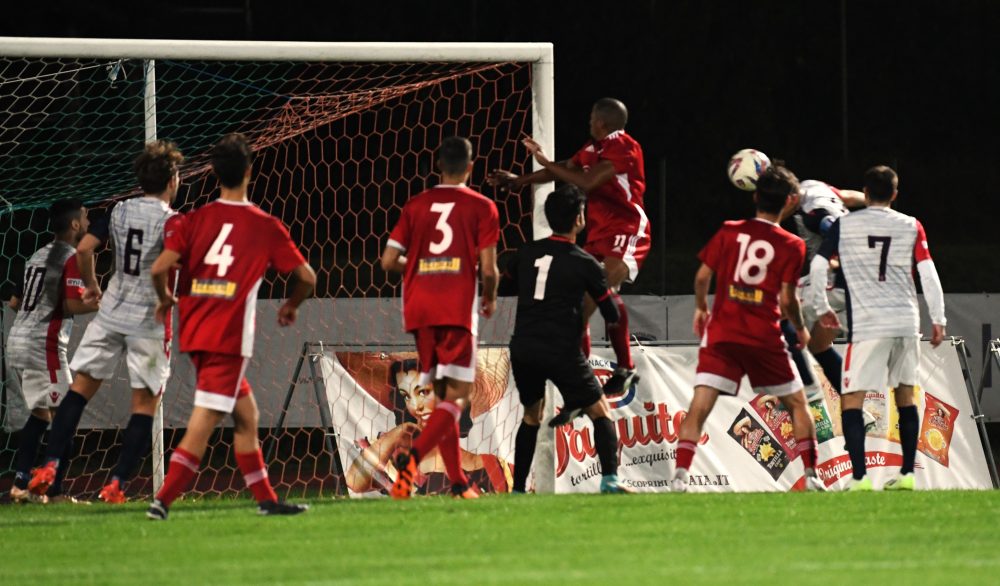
x,y
534,363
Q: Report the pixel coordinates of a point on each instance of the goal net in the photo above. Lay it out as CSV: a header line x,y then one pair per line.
x,y
343,136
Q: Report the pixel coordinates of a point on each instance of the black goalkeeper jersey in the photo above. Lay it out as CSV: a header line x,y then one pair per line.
x,y
550,277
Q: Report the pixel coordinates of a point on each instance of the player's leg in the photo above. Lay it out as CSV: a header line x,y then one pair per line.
x,y
530,382
690,433
905,360
136,441
186,459
34,387
798,356
804,431
618,333
865,369
821,341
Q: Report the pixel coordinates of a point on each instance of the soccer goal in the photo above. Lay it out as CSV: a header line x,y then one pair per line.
x,y
343,134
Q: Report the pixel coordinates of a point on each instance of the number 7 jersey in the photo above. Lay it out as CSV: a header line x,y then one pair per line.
x,y
442,230
751,259
225,249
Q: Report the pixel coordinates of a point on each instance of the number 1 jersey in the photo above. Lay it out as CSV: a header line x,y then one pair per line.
x,y
442,231
225,249
751,259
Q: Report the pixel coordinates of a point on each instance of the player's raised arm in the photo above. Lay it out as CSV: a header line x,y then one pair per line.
x,y
585,180
702,283
852,199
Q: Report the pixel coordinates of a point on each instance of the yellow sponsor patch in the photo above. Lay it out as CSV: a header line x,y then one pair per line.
x,y
430,266
746,295
213,288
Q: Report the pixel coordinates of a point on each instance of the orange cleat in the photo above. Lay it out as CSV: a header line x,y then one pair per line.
x,y
42,478
113,494
464,492
406,472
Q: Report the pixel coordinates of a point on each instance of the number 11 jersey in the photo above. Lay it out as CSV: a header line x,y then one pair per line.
x,y
225,249
751,259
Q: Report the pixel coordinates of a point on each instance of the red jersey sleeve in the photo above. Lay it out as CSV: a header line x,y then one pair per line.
x,y
921,251
620,155
285,255
489,226
797,256
175,235
577,158
72,280
400,235
711,255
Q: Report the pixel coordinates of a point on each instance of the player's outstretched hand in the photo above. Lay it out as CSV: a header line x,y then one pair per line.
x,y
829,321
92,294
535,150
487,308
502,180
937,335
163,308
700,321
287,314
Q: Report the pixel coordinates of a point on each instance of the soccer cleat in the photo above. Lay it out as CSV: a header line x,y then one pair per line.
x,y
60,499
406,473
565,416
613,486
621,379
680,482
112,493
23,495
901,482
280,508
814,484
157,511
42,478
460,491
863,485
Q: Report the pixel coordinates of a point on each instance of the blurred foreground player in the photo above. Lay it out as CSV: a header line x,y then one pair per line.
x,y
550,278
224,248
441,236
756,264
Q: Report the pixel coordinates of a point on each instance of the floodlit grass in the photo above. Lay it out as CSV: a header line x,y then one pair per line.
x,y
918,538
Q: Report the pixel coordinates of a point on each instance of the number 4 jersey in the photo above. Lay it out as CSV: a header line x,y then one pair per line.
x,y
225,249
751,259
442,231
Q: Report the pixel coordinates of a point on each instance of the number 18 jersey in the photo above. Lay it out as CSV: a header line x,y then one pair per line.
x,y
751,259
225,249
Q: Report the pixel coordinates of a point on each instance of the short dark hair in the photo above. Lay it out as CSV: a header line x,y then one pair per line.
x,y
880,183
612,112
156,165
774,186
562,206
231,157
63,212
454,155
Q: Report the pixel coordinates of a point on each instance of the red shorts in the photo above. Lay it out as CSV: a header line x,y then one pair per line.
x,y
631,248
771,370
446,351
221,380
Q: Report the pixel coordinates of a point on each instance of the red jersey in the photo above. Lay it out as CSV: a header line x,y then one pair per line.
x,y
225,248
442,231
615,207
751,260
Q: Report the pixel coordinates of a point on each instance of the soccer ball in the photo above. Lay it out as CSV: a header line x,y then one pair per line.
x,y
745,167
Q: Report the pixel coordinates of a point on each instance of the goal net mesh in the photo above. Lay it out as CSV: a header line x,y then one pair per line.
x,y
339,148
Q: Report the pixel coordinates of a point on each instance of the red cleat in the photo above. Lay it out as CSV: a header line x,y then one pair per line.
x,y
113,494
42,478
406,472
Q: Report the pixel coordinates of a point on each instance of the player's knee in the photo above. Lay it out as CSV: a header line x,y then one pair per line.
x,y
144,402
42,413
598,410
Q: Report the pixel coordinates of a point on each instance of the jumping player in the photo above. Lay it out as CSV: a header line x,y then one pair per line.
x,y
878,247
224,249
756,266
441,236
610,170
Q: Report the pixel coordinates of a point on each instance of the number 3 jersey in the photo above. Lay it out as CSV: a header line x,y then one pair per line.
x,y
751,260
135,228
225,248
40,334
442,230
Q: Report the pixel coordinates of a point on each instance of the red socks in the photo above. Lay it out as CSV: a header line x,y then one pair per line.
x,y
685,453
619,336
183,468
442,431
255,475
806,447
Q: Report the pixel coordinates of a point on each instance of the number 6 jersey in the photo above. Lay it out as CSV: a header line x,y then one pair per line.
x,y
751,259
442,231
225,249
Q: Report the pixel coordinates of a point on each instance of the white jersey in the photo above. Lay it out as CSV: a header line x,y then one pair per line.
x,y
816,200
136,232
40,334
878,247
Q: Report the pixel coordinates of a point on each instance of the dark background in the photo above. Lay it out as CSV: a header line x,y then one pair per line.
x,y
702,79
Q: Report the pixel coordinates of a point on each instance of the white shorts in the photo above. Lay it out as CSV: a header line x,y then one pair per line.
x,y
836,298
44,389
877,365
100,352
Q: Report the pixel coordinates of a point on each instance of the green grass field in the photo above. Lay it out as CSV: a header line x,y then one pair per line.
x,y
919,538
